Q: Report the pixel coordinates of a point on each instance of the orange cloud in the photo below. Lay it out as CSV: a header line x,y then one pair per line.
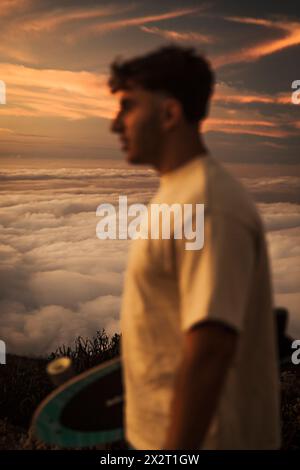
x,y
4,130
239,126
241,122
290,37
11,6
62,93
126,22
78,82
51,20
280,99
178,36
274,145
228,94
15,46
19,52
256,21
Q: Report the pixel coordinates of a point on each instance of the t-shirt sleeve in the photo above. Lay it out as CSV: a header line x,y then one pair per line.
x,y
215,281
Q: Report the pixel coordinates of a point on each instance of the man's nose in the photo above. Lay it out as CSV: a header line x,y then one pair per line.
x,y
117,124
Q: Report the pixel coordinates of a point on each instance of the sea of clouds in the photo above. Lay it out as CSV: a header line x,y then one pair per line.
x,y
58,280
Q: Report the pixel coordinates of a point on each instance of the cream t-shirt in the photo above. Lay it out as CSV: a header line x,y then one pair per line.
x,y
168,289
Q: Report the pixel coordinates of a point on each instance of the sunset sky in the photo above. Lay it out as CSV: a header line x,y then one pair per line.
x,y
55,56
58,160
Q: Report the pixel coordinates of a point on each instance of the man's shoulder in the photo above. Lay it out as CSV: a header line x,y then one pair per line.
x,y
206,181
225,195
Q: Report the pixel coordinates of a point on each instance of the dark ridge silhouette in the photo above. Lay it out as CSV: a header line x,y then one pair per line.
x,y
24,384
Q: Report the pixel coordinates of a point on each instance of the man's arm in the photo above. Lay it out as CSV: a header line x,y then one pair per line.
x,y
208,351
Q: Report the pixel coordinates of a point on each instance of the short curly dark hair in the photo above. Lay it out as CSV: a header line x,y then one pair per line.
x,y
178,71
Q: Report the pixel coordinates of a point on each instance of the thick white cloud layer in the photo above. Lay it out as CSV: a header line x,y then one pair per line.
x,y
58,280
283,223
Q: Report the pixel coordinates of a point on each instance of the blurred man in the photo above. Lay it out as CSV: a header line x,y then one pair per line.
x,y
198,340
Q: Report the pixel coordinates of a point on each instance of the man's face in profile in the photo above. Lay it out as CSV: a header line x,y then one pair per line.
x,y
138,125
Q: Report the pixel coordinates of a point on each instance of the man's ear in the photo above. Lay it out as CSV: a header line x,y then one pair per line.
x,y
171,113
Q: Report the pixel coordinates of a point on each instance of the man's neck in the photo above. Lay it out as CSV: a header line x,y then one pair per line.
x,y
177,158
